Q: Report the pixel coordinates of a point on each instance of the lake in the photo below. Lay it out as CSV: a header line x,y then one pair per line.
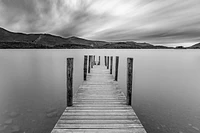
x,y
166,87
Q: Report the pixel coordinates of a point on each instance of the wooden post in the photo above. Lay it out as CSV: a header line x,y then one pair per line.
x,y
108,62
69,81
85,67
89,63
116,67
105,58
111,64
129,79
94,60
99,60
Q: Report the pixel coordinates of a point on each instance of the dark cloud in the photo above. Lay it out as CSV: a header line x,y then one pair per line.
x,y
25,15
156,21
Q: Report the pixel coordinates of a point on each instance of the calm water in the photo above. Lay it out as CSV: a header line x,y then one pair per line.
x,y
165,92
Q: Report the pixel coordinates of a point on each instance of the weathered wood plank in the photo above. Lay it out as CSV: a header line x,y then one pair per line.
x,y
99,121
98,113
97,126
117,117
102,105
129,130
99,108
99,97
98,100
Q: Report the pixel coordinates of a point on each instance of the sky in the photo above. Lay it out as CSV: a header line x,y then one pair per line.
x,y
160,22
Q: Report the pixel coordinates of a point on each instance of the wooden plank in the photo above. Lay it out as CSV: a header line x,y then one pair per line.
x,y
98,100
102,105
105,97
98,126
99,121
98,108
129,130
98,113
117,117
101,111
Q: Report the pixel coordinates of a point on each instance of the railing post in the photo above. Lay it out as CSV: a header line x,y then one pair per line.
x,y
111,64
69,81
116,67
89,63
129,79
85,67
108,62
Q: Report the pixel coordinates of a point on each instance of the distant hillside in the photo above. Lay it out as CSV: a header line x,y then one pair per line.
x,y
195,46
45,40
20,40
122,45
132,45
7,36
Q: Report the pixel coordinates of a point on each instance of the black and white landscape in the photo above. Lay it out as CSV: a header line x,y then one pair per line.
x,y
161,37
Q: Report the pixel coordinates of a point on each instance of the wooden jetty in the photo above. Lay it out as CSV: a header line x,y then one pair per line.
x,y
99,106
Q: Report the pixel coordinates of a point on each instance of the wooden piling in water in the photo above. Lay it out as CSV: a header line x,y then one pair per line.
x,y
99,60
69,81
111,64
129,79
107,62
92,61
85,67
89,64
105,59
116,67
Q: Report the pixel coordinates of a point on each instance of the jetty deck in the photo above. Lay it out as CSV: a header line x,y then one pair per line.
x,y
99,107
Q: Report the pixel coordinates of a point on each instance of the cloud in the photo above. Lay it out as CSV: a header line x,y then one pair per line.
x,y
155,21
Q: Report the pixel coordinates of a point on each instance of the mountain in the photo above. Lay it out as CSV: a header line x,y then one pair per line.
x,y
132,45
46,40
195,46
21,40
122,45
7,36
